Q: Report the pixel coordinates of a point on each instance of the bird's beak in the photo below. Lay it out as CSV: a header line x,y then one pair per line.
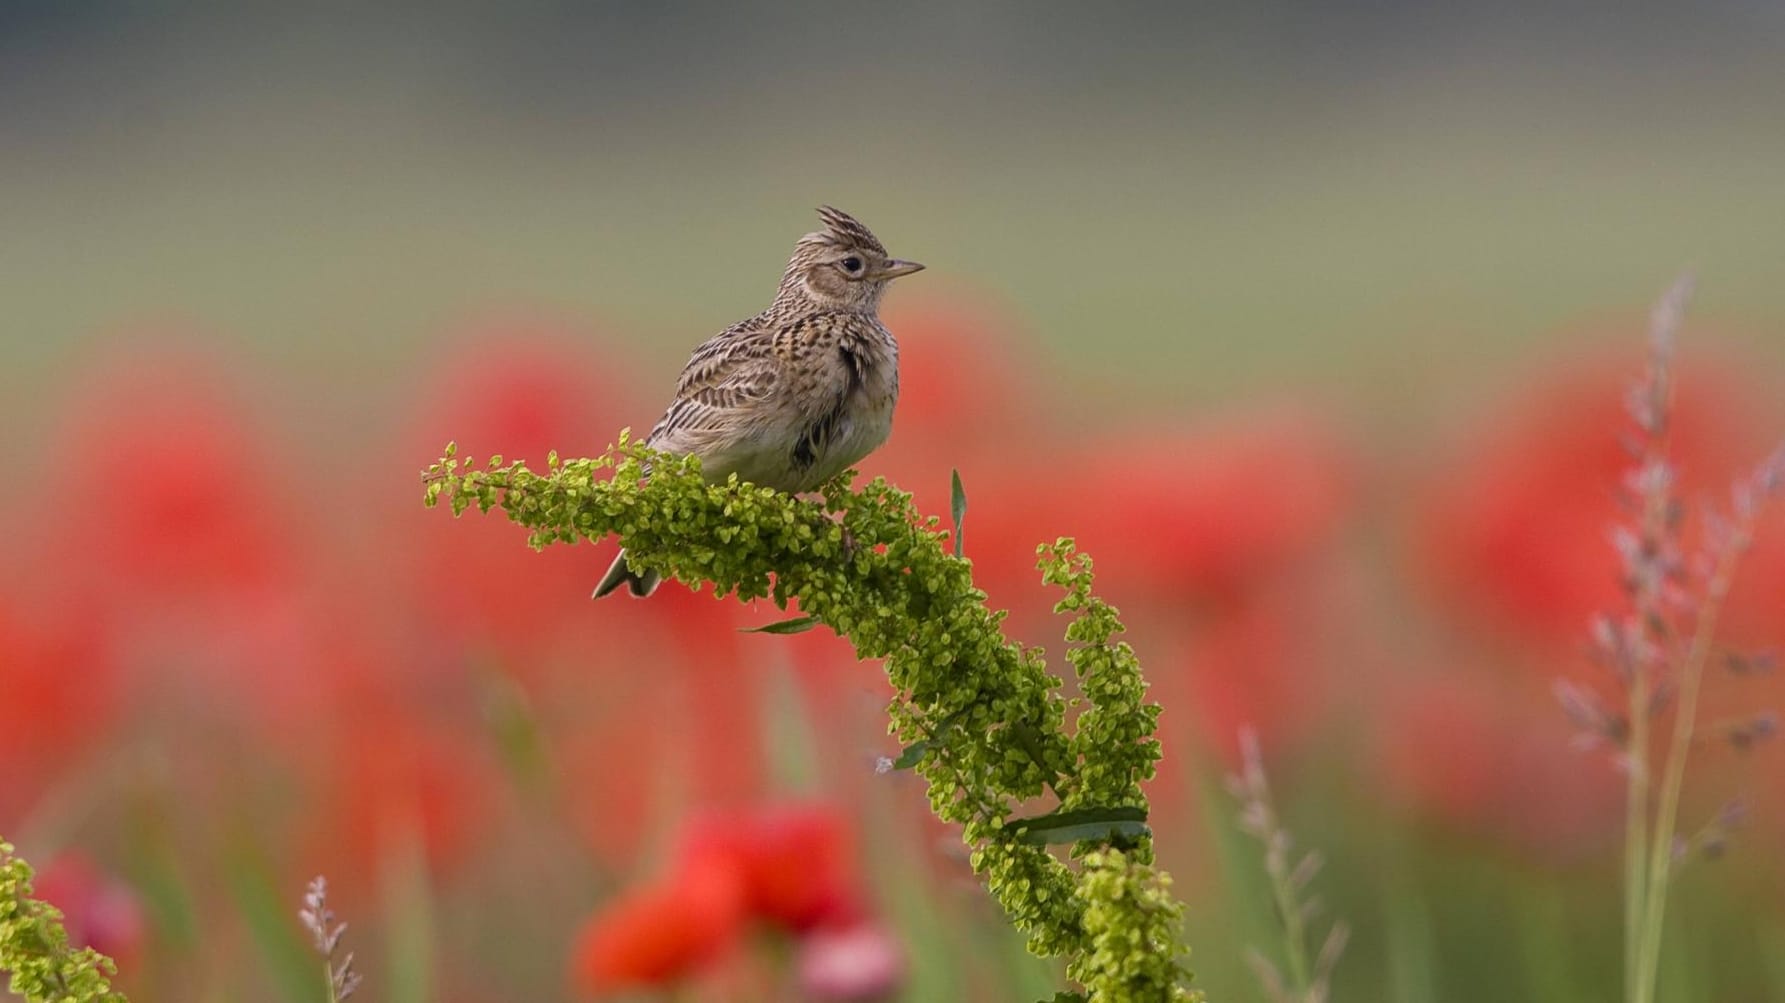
x,y
895,268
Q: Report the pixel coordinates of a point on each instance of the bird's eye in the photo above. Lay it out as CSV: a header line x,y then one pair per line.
x,y
852,264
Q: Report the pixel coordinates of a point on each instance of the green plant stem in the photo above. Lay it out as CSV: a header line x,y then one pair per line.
x,y
1638,773
1294,931
1636,830
1674,778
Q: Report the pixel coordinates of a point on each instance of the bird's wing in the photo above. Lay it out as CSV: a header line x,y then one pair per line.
x,y
728,375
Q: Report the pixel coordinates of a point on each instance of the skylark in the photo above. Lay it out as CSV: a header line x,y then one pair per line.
x,y
796,394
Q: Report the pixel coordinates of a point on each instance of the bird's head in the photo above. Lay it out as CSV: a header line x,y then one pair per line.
x,y
841,267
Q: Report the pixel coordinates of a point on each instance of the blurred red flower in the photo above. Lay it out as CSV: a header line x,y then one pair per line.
x,y
523,388
167,527
844,698
1514,533
796,861
1256,664
1202,514
1757,603
788,865
518,389
963,388
161,491
1501,765
395,783
60,697
98,911
621,756
661,933
1170,517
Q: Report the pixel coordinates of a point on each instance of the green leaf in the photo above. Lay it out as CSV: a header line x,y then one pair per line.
x,y
1029,740
408,919
267,911
1083,823
911,755
786,733
155,871
797,625
514,726
958,506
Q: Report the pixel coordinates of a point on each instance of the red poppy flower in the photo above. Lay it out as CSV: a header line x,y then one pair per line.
x,y
1757,601
796,861
1203,513
620,759
1193,516
160,491
1514,532
60,690
397,783
661,933
1250,665
962,389
518,390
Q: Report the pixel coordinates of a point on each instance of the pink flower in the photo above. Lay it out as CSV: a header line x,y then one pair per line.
x,y
857,964
98,911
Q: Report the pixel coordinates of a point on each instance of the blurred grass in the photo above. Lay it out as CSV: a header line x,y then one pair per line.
x,y
409,923
266,908
1167,262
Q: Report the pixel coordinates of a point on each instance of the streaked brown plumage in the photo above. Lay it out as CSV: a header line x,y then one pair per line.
x,y
796,394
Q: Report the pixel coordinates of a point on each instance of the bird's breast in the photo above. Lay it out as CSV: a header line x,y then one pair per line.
x,y
858,417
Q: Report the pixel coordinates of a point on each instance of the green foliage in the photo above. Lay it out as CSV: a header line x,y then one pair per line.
x,y
34,951
1131,921
981,719
1072,825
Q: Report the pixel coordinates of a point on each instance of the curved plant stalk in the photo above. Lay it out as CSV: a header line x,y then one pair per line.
x,y
982,720
1660,649
1309,977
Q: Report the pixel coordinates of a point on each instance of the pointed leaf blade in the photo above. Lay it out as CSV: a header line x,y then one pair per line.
x,y
911,755
958,507
1083,823
797,625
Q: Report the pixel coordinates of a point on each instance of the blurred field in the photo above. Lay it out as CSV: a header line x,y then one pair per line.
x,y
1311,325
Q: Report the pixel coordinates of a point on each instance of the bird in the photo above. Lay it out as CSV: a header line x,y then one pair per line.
x,y
797,394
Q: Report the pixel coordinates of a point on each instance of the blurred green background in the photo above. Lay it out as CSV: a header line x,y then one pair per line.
x,y
1182,201
1399,211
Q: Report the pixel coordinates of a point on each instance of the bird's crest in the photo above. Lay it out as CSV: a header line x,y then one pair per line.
x,y
843,230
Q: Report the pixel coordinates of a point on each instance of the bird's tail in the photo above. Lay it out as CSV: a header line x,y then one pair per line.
x,y
618,574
